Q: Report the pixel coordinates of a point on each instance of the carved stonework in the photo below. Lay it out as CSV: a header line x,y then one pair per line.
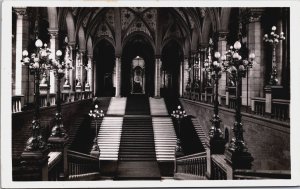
x,y
222,36
250,15
202,12
150,18
20,11
103,30
53,32
126,18
138,26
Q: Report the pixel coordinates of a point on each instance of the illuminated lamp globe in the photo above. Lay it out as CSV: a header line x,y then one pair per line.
x,y
25,53
237,45
58,53
217,55
251,55
38,43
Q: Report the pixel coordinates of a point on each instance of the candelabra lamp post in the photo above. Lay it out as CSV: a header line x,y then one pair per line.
x,y
58,68
178,114
35,154
96,114
217,143
237,153
37,62
273,39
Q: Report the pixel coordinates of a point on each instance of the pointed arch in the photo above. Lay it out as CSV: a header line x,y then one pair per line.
x,y
81,39
70,27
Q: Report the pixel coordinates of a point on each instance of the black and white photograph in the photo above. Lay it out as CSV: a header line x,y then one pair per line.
x,y
111,92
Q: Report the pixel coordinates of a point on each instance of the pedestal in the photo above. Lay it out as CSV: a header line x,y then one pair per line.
x,y
217,145
238,159
78,88
58,144
66,88
35,164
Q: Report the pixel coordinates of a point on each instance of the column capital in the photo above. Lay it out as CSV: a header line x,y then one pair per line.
x,y
222,35
53,32
250,15
117,55
90,56
157,56
20,11
72,44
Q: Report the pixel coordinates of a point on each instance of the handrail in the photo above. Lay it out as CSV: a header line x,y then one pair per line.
x,y
261,174
191,156
82,156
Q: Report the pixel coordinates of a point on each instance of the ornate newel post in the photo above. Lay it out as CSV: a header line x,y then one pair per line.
x,y
178,114
217,143
58,137
96,114
237,154
35,154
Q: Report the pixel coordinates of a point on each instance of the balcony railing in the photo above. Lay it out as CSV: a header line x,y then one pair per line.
x,y
258,106
16,103
281,109
192,166
82,165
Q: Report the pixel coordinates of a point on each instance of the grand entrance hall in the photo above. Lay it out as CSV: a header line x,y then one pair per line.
x,y
143,93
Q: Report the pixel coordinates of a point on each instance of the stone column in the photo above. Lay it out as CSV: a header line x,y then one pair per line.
x,y
255,45
82,69
157,76
181,79
186,73
118,76
21,12
53,48
78,87
222,42
90,72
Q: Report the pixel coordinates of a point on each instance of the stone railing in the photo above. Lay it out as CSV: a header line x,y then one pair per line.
x,y
82,166
261,174
218,169
44,101
16,103
191,166
258,106
281,109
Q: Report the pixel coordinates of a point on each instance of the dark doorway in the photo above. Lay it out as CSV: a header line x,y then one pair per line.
x,y
104,56
172,55
137,46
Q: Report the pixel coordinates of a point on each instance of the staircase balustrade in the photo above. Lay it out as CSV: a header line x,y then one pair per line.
x,y
55,166
194,165
82,165
232,102
261,174
218,171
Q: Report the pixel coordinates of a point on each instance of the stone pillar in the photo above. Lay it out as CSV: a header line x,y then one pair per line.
x,y
37,162
58,144
53,48
21,12
181,79
118,76
157,76
73,64
186,73
279,52
255,44
82,70
222,42
90,72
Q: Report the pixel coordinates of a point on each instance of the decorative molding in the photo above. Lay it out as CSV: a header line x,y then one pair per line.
x,y
20,11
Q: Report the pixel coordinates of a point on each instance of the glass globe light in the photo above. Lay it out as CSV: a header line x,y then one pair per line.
x,y
26,60
274,28
236,55
179,107
96,106
25,53
217,55
251,55
58,53
36,65
223,57
266,36
237,45
215,63
38,43
44,54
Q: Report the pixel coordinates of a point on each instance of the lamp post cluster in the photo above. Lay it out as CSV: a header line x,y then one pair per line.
x,y
273,39
237,67
39,62
178,114
96,114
